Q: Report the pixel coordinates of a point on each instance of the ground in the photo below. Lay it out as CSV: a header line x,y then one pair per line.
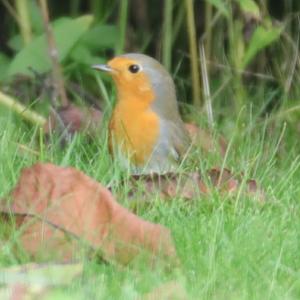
x,y
230,247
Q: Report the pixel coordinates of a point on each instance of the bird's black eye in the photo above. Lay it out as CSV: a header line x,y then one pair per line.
x,y
134,68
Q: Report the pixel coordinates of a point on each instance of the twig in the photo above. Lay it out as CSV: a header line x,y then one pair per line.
x,y
57,78
212,23
24,20
22,110
239,71
11,10
77,90
193,52
221,87
27,149
205,82
243,72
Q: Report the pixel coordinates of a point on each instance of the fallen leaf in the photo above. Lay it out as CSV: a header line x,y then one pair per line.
x,y
255,190
36,281
59,201
168,186
171,290
40,274
190,185
18,292
71,119
223,179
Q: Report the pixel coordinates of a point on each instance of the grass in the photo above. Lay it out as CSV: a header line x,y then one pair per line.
x,y
231,247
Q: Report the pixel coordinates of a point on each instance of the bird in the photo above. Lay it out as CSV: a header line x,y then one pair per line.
x,y
146,131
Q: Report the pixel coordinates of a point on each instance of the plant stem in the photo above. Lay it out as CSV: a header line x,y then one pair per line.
x,y
167,34
97,8
22,110
123,14
208,30
193,52
24,20
57,77
205,83
74,8
177,25
236,50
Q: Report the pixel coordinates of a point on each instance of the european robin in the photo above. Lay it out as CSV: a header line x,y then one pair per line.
x,y
145,129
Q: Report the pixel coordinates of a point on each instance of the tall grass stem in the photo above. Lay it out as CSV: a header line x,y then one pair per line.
x,y
123,15
167,34
57,76
24,20
205,83
208,30
193,52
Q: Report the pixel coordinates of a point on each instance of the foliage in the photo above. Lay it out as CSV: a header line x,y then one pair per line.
x,y
67,32
237,34
230,247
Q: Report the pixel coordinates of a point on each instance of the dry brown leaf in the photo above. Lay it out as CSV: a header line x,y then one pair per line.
x,y
171,185
18,292
255,190
171,290
223,179
73,119
191,185
36,281
66,199
226,181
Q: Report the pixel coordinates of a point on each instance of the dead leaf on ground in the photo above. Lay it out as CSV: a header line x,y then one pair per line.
x,y
227,181
171,290
71,119
168,186
59,203
191,185
22,292
35,281
40,274
223,179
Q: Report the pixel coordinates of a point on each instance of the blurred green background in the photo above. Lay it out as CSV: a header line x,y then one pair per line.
x,y
251,49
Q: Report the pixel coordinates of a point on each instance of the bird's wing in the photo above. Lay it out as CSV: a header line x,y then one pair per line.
x,y
179,137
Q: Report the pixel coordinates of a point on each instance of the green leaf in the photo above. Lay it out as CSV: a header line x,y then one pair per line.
x,y
249,7
221,6
100,37
4,63
66,31
35,17
82,55
15,42
261,38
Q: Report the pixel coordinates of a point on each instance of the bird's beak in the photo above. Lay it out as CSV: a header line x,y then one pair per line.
x,y
105,68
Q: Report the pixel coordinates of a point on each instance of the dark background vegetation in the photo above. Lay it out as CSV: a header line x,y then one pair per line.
x,y
251,49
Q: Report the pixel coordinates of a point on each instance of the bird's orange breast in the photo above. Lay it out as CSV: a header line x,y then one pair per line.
x,y
134,129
